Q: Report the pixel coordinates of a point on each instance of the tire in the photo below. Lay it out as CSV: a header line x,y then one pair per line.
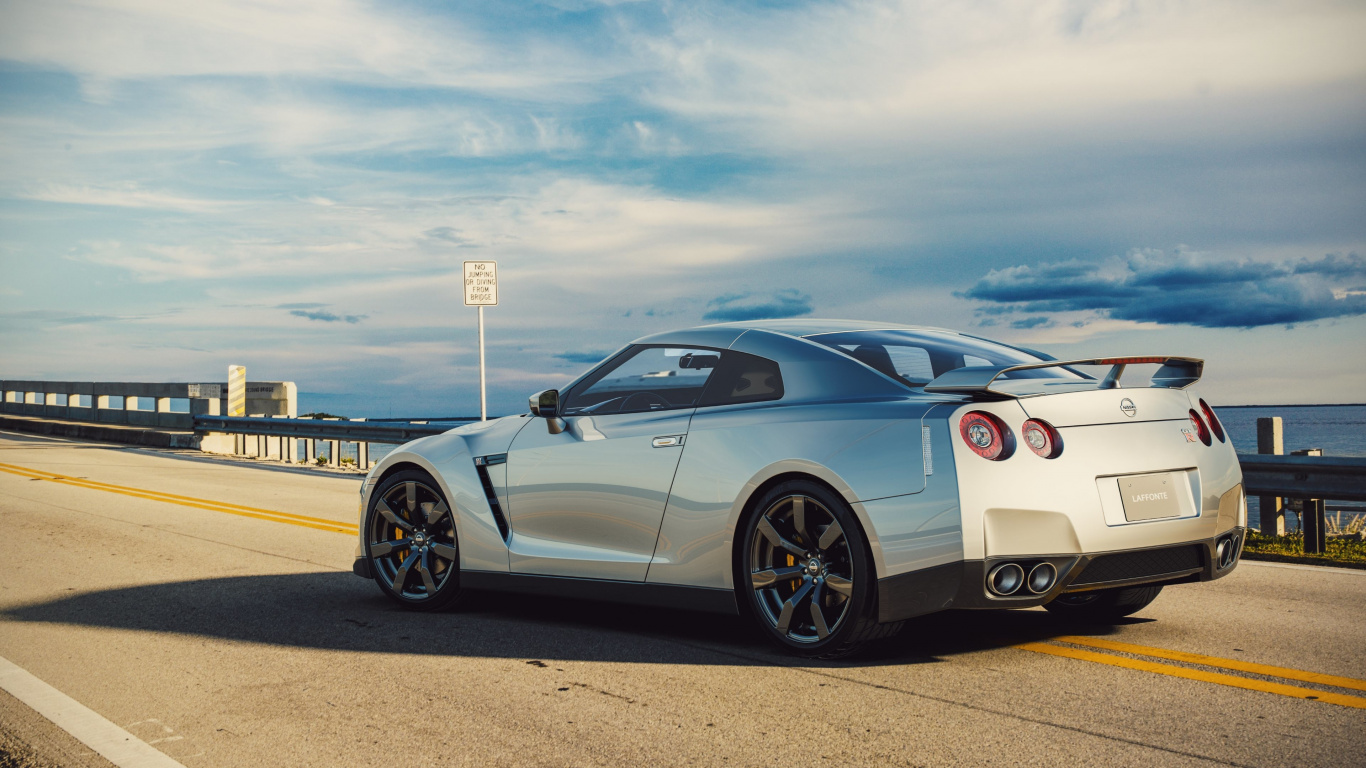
x,y
805,575
411,543
1104,605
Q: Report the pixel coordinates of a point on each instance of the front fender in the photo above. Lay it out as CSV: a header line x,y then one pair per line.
x,y
449,459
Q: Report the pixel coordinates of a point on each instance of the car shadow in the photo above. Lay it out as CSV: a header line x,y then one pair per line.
x,y
338,611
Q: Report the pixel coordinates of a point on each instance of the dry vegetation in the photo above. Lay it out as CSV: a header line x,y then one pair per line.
x,y
1346,544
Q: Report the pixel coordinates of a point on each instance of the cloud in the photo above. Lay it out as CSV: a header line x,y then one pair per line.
x,y
1031,322
587,358
448,234
754,306
300,305
124,196
327,317
1183,287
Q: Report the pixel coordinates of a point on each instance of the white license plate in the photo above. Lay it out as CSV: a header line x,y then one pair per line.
x,y
1150,497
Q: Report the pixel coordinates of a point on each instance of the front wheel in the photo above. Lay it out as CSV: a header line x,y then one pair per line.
x,y
805,573
411,544
1104,605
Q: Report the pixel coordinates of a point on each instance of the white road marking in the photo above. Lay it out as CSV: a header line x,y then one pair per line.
x,y
91,729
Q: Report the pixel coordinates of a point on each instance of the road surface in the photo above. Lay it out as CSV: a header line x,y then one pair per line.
x,y
207,607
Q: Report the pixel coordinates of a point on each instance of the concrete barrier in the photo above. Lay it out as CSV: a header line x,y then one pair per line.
x,y
139,404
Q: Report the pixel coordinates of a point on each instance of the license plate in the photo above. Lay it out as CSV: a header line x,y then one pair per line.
x,y
1149,497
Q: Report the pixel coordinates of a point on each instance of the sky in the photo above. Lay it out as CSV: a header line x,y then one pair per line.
x,y
294,186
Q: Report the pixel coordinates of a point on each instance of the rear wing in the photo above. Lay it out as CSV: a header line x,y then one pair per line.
x,y
1175,373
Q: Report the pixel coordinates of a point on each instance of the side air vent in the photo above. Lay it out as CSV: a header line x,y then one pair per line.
x,y
481,465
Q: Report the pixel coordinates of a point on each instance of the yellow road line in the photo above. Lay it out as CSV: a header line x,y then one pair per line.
x,y
1215,661
1217,678
318,523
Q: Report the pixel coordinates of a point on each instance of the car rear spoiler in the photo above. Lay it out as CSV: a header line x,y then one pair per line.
x,y
1175,373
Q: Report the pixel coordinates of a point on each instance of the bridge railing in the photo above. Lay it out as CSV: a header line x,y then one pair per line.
x,y
111,402
157,405
1302,483
282,437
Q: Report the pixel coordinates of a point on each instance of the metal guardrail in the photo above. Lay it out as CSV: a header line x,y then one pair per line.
x,y
320,429
1304,477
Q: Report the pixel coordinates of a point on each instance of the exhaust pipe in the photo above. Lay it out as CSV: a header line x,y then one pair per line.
x,y
1041,578
1005,579
1226,552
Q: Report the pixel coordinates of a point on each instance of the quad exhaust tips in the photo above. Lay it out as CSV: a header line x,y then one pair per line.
x,y
1007,579
1041,578
1226,552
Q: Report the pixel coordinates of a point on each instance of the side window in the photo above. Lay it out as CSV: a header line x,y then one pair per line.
x,y
646,379
743,378
972,361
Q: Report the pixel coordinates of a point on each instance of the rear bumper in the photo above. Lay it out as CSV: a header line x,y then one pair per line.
x,y
964,584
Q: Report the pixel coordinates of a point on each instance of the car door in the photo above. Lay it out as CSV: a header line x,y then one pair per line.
x,y
587,502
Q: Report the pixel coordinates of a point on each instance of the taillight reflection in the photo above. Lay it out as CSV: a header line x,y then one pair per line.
x,y
986,435
1212,419
1200,428
1042,438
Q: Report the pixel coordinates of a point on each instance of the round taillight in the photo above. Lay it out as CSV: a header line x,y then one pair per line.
x,y
1042,438
1212,419
1200,428
986,435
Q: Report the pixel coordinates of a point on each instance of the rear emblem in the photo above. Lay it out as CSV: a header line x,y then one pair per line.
x,y
1128,407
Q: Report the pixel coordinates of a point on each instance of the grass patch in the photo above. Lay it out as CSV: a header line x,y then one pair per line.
x,y
1348,551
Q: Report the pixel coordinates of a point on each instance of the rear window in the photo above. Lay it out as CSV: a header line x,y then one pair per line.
x,y
915,358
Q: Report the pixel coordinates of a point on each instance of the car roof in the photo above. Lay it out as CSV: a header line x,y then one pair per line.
x,y
808,326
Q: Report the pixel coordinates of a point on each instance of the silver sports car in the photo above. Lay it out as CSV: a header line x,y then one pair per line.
x,y
829,479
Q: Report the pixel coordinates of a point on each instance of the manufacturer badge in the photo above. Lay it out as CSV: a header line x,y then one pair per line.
x,y
1127,406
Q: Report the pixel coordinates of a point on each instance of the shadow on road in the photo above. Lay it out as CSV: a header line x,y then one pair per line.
x,y
337,611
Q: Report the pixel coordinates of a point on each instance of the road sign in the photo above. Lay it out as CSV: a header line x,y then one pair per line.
x,y
481,284
481,290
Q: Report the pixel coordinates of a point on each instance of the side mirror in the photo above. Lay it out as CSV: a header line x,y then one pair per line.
x,y
546,404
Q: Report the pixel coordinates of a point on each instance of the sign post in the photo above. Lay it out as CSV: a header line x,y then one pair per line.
x,y
481,290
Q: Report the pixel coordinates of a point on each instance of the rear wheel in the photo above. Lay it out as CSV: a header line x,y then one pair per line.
x,y
411,544
805,573
1104,605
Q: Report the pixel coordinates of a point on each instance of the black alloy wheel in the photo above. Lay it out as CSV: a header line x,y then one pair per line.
x,y
806,573
410,541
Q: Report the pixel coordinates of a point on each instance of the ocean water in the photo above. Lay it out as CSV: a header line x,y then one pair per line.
x,y
1340,430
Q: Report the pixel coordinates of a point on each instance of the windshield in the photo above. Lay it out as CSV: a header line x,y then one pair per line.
x,y
915,358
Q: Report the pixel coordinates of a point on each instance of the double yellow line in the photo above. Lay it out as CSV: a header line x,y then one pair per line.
x,y
319,523
1206,676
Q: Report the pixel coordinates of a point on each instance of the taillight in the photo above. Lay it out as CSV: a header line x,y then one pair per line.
x,y
1200,427
986,435
1213,421
1042,438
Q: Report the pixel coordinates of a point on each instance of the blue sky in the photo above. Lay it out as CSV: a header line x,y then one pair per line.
x,y
293,186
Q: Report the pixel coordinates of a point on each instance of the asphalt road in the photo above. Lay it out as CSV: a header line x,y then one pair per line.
x,y
158,589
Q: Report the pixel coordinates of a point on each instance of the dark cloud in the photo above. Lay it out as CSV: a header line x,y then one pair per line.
x,y
586,358
449,234
1031,322
754,306
1181,288
327,317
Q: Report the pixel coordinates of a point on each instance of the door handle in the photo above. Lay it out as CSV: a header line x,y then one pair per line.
x,y
667,441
